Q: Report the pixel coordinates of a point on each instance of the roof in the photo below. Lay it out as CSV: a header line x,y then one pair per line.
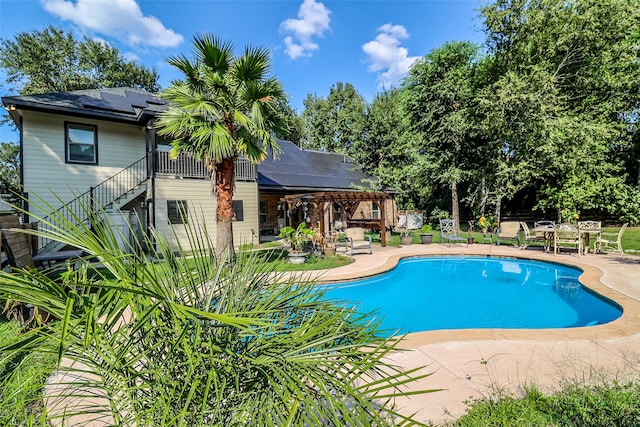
x,y
296,169
113,104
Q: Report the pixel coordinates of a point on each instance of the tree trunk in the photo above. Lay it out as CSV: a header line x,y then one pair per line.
x,y
224,210
455,205
484,195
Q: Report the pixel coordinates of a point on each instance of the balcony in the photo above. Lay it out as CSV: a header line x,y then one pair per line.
x,y
186,166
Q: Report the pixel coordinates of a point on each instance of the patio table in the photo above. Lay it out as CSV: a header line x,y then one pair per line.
x,y
586,235
547,232
586,229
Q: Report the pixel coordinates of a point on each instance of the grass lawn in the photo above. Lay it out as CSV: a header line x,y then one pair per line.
x,y
19,406
607,403
630,238
277,258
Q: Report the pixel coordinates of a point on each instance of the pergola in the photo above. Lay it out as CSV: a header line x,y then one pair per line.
x,y
349,201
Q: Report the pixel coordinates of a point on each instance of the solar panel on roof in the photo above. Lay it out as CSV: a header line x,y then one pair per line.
x,y
142,100
121,104
108,102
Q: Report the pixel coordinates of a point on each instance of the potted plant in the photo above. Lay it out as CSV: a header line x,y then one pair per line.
x,y
472,224
484,223
405,237
426,234
327,243
297,239
569,216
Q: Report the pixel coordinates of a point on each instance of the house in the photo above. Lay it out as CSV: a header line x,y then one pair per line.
x,y
324,189
100,146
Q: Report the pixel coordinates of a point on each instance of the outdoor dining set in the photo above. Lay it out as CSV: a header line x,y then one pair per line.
x,y
585,236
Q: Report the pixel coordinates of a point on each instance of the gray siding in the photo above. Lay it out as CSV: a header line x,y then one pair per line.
x,y
45,170
202,207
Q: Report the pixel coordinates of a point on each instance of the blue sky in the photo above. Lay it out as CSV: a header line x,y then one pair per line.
x,y
314,43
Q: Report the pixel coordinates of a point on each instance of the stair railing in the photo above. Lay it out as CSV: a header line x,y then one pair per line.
x,y
99,197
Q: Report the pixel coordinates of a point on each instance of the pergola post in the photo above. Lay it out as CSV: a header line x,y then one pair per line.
x,y
383,229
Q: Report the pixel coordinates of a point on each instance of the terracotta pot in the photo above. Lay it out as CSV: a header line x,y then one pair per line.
x,y
329,251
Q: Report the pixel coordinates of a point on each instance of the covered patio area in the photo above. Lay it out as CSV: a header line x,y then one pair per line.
x,y
323,207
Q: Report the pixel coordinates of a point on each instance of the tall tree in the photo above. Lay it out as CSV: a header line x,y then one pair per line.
x,y
292,127
563,102
225,107
10,171
439,94
337,123
384,151
53,60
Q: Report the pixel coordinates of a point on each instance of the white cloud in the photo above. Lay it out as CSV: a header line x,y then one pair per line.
x,y
386,53
313,22
121,19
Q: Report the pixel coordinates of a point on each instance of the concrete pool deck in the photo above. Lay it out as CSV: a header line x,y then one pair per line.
x,y
476,363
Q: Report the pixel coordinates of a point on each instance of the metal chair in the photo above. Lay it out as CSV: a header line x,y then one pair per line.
x,y
587,228
449,233
528,236
508,230
566,234
607,243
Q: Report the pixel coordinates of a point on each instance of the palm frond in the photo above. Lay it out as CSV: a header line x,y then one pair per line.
x,y
212,52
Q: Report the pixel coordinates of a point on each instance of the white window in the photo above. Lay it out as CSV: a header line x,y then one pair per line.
x,y
375,210
81,143
264,205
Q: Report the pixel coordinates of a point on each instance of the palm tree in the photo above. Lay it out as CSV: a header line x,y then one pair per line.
x,y
190,341
225,107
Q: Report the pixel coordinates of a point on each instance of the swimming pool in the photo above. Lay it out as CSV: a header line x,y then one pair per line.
x,y
423,294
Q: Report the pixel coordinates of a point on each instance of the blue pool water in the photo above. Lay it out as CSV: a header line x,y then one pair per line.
x,y
423,294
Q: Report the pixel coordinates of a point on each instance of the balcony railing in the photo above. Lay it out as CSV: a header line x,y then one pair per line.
x,y
186,166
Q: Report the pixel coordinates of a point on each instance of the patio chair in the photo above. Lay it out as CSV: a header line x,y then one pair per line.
x,y
356,240
528,236
16,248
588,228
606,241
508,230
566,234
448,232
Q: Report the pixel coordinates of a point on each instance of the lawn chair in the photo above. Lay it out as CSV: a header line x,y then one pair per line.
x,y
566,234
449,233
528,236
508,230
588,228
604,241
356,240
